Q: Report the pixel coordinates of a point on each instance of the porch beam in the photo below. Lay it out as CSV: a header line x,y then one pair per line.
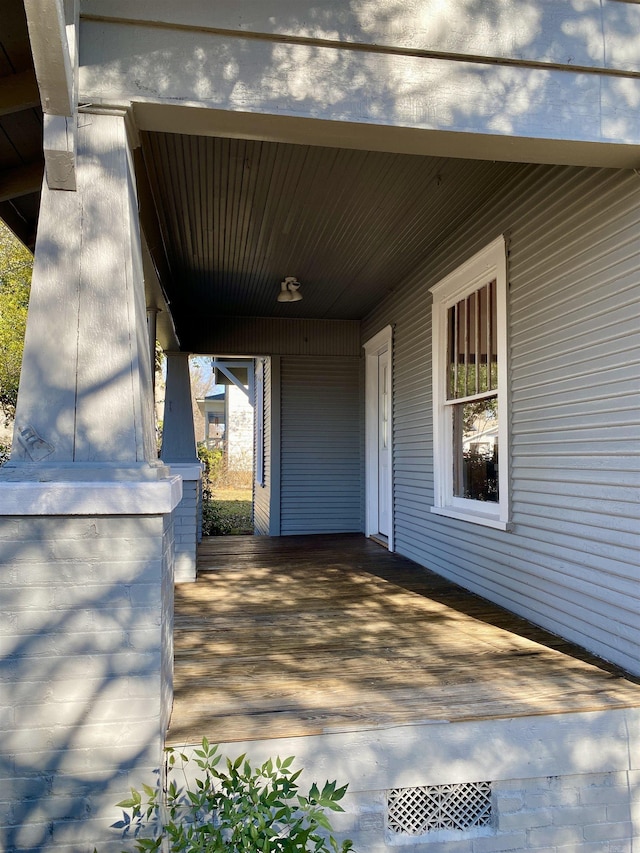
x,y
554,37
51,55
53,32
514,106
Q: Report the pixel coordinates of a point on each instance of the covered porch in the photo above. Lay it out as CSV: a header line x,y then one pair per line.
x,y
196,157
295,636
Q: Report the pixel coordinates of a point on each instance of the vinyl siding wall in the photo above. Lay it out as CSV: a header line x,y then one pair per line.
x,y
570,562
321,445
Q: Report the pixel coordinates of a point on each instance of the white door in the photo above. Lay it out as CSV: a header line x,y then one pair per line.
x,y
384,443
379,437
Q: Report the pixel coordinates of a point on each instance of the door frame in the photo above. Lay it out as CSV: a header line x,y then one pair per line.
x,y
373,349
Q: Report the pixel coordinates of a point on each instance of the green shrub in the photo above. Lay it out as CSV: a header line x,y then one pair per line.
x,y
224,518
235,810
212,465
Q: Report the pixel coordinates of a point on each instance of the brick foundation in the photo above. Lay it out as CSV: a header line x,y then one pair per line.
x,y
87,658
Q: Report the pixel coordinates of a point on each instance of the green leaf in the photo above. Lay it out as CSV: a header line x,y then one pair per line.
x,y
340,792
257,810
323,821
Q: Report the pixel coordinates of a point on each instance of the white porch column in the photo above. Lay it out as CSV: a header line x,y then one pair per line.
x,y
85,389
180,453
86,535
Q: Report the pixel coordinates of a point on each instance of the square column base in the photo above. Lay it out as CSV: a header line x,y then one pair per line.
x,y
87,642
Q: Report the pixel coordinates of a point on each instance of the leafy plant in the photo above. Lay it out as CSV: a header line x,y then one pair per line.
x,y
234,810
15,282
224,518
212,464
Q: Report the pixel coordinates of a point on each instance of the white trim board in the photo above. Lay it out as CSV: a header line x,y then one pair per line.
x,y
90,498
376,345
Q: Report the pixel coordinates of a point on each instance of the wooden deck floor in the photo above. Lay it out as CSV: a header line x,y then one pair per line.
x,y
302,635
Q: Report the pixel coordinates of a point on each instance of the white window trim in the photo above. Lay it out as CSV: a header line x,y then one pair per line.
x,y
488,264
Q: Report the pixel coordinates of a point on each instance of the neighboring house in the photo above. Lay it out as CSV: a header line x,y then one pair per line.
x,y
228,425
239,436
212,408
237,375
455,189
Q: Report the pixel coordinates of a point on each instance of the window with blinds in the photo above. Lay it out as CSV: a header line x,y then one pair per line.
x,y
472,393
470,390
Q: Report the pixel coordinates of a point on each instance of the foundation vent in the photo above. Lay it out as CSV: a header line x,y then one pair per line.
x,y
417,811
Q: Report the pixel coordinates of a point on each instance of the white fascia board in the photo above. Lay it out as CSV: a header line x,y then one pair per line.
x,y
90,498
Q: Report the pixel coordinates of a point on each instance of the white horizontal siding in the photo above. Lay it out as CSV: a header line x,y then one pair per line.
x,y
571,560
321,445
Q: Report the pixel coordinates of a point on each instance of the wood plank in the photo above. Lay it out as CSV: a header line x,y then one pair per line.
x,y
302,635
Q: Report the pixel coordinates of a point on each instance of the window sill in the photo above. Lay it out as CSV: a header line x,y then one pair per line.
x,y
472,517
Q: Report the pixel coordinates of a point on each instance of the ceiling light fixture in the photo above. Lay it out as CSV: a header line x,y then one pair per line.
x,y
290,290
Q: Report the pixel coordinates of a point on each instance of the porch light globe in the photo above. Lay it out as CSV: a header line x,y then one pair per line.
x,y
289,290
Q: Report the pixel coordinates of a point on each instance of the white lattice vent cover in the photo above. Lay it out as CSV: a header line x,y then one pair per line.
x,y
416,811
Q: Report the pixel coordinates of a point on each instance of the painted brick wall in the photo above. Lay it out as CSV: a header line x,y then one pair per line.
x,y
591,813
85,665
185,521
199,510
168,583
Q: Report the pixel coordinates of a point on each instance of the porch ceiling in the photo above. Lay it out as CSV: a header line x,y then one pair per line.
x,y
237,216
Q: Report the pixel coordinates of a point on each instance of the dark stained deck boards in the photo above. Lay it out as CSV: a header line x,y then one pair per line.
x,y
294,636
